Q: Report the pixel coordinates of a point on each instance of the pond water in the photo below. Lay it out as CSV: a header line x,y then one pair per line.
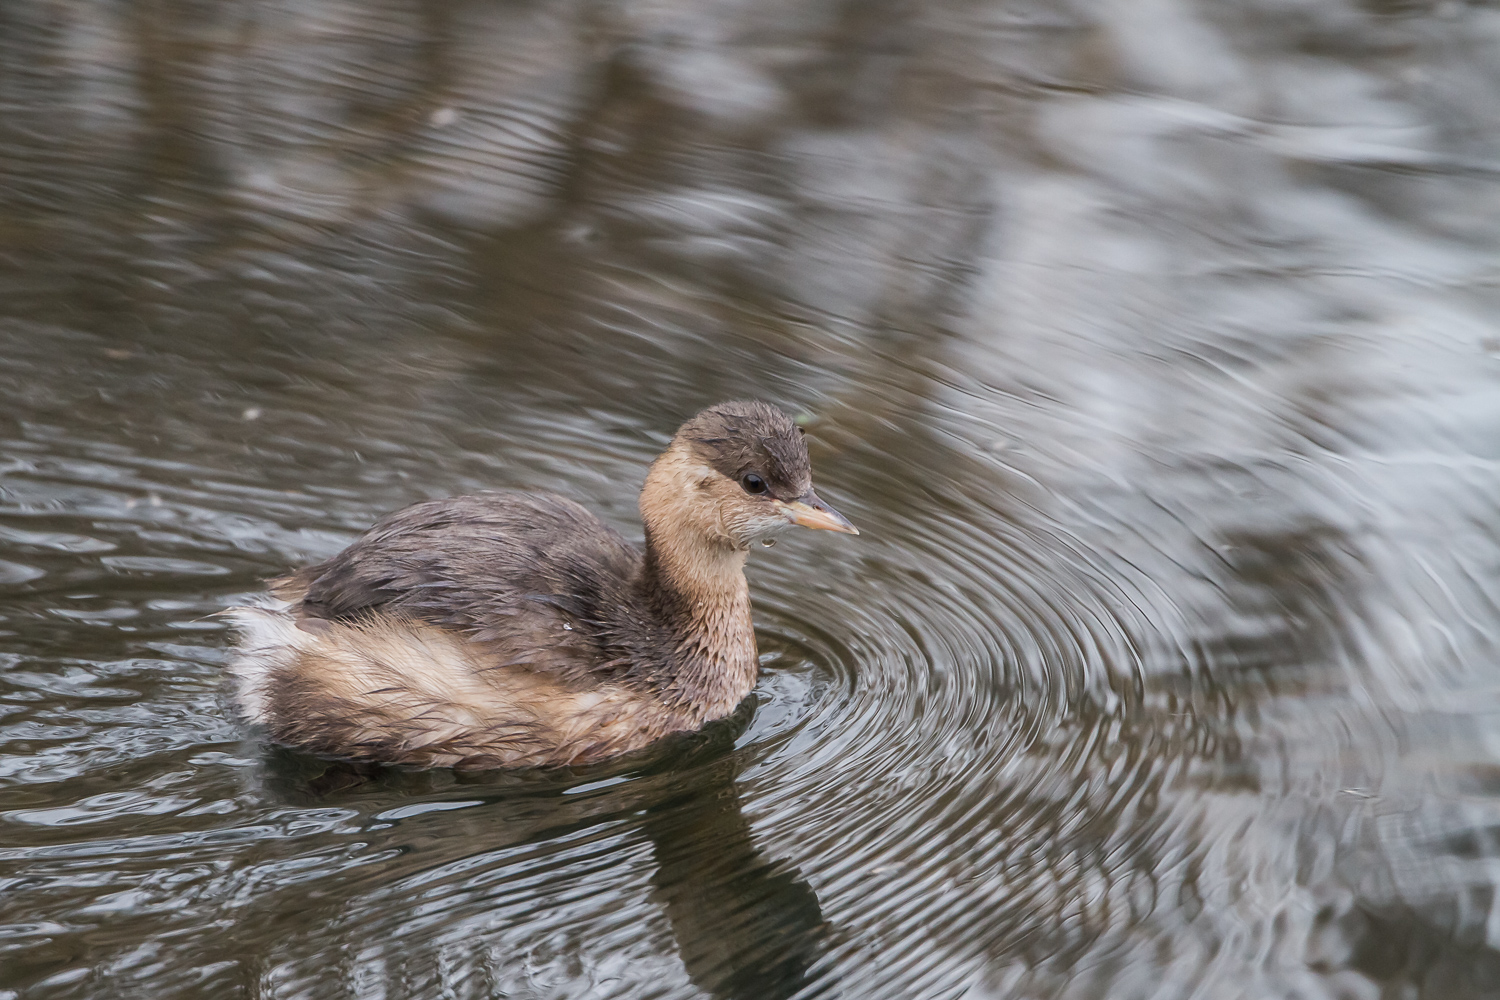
x,y
1154,346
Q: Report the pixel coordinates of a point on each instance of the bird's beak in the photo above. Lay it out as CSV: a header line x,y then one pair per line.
x,y
810,512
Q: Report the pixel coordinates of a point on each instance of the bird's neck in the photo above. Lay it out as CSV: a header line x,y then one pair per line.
x,y
702,598
695,579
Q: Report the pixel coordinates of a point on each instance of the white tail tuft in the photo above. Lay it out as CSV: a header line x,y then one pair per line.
x,y
269,640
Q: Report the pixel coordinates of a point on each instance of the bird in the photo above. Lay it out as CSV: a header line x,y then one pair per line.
x,y
507,629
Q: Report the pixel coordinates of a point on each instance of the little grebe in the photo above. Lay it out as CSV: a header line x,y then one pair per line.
x,y
510,629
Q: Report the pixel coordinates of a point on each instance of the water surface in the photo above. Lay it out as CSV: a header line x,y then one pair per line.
x,y
1153,346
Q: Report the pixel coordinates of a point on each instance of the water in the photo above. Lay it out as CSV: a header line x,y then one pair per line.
x,y
1152,346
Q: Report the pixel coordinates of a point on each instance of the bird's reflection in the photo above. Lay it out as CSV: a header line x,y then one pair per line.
x,y
747,925
747,928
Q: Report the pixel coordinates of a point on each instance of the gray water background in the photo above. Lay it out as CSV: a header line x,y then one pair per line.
x,y
1154,346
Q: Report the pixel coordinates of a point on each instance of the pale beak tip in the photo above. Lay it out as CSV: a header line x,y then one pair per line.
x,y
817,514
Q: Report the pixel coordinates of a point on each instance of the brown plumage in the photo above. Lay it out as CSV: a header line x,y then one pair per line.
x,y
507,629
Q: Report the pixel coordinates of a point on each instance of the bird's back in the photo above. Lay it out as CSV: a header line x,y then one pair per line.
x,y
535,573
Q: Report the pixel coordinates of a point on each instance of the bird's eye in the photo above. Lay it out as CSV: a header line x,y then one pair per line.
x,y
753,483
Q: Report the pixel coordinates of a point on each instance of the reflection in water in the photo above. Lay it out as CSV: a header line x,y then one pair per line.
x,y
1153,343
745,927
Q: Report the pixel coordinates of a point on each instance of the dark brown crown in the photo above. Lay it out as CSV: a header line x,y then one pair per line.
x,y
748,436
